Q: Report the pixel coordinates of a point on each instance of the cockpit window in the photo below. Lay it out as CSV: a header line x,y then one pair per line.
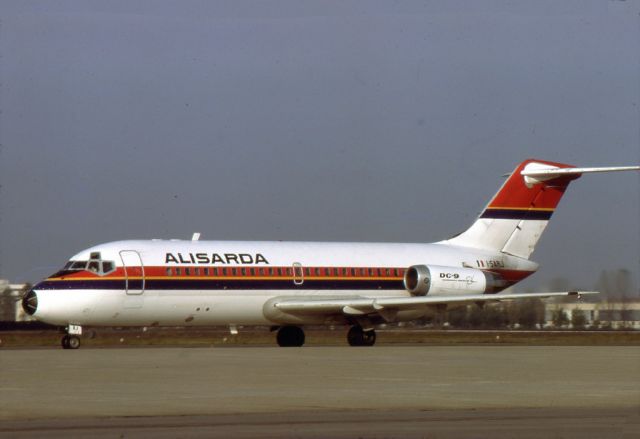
x,y
77,265
107,267
94,265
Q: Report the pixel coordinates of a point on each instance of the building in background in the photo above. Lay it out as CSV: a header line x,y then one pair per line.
x,y
600,315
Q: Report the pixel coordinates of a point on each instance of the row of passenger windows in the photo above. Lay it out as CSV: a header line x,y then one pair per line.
x,y
283,271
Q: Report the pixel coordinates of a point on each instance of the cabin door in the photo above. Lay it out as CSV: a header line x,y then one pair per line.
x,y
133,272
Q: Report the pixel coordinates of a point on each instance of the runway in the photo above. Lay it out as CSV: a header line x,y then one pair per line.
x,y
321,391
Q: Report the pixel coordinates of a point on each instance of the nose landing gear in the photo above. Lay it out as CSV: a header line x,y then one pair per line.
x,y
71,340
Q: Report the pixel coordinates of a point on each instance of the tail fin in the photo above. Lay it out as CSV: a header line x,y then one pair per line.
x,y
515,218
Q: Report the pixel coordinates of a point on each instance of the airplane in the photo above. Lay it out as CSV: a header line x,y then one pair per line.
x,y
287,285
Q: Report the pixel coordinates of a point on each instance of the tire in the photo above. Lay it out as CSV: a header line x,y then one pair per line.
x,y
64,342
74,342
357,337
290,336
369,338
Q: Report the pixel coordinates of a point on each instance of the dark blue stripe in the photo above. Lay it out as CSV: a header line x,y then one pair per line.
x,y
226,284
517,214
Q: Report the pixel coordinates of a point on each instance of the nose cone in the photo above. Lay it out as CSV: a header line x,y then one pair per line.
x,y
30,302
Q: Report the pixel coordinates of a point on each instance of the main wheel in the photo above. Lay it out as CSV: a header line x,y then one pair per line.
x,y
290,336
64,342
358,337
369,338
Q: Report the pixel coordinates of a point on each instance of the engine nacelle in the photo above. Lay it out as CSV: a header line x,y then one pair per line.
x,y
421,280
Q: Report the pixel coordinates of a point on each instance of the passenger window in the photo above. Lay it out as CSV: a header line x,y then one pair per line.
x,y
169,271
178,271
206,271
196,271
187,271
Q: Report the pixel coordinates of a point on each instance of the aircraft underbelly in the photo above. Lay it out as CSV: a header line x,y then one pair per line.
x,y
173,308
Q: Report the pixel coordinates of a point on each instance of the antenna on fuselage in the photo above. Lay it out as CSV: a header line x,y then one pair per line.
x,y
196,236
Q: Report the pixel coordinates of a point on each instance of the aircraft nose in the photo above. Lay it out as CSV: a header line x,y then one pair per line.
x,y
30,302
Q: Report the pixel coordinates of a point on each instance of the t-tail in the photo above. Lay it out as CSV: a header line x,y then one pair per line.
x,y
515,218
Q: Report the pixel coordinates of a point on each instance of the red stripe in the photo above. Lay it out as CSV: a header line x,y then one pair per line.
x,y
511,276
244,270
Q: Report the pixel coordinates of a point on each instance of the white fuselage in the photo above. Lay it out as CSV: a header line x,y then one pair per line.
x,y
182,283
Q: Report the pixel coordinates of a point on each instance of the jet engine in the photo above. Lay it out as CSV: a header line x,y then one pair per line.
x,y
421,280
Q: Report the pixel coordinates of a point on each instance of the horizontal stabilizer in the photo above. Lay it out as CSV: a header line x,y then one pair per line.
x,y
537,173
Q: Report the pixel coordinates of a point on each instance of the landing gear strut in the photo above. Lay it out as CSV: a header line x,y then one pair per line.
x,y
290,336
359,337
71,340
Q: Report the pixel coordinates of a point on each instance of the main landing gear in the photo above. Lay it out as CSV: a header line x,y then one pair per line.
x,y
293,336
290,336
359,337
71,339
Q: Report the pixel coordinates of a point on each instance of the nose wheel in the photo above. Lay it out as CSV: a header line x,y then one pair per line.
x,y
70,342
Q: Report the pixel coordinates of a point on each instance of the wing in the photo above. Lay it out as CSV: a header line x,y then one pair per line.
x,y
387,307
